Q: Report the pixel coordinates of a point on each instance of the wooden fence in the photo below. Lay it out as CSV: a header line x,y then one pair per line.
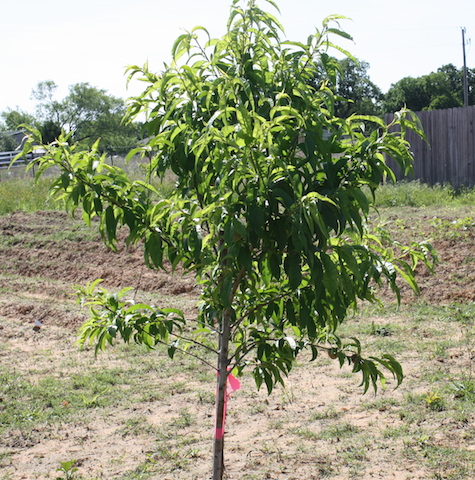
x,y
449,154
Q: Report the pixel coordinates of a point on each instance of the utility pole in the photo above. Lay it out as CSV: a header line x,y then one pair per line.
x,y
465,82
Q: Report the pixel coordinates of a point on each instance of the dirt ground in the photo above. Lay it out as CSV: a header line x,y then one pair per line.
x,y
36,273
56,265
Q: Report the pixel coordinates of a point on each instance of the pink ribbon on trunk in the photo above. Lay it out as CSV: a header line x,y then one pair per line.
x,y
232,385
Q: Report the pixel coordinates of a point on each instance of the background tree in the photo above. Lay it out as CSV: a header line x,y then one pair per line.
x,y
436,90
409,92
7,142
11,119
268,214
9,124
350,80
87,112
360,95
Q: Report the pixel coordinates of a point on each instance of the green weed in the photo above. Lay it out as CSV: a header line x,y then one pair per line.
x,y
435,402
328,413
68,469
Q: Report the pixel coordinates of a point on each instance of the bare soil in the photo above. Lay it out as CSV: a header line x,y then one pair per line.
x,y
264,438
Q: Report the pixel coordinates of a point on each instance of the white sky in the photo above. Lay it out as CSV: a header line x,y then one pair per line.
x,y
94,40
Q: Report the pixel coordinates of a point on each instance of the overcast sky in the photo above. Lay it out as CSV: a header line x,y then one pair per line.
x,y
94,40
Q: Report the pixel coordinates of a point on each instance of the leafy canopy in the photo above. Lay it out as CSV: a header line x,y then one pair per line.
x,y
268,212
436,90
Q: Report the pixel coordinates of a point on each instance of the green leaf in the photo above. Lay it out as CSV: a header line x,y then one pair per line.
x,y
330,274
290,311
244,120
153,251
257,218
274,262
111,224
225,291
269,381
293,271
181,46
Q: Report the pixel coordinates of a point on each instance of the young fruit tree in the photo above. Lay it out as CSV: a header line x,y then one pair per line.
x,y
269,210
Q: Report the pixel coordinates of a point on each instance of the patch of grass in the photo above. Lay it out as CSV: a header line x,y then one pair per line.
x,y
354,457
337,431
169,459
435,402
52,400
416,194
185,419
394,432
381,404
39,404
446,463
259,407
390,345
450,229
332,432
276,424
135,426
205,397
20,192
73,231
326,414
25,195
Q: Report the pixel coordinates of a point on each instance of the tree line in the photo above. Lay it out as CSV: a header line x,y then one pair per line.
x,y
89,112
436,90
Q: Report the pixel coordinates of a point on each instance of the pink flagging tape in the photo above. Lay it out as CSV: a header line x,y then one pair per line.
x,y
232,385
219,433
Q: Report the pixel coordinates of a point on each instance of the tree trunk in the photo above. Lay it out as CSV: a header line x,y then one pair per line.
x,y
222,367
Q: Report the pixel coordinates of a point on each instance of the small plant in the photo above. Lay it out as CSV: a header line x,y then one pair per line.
x,y
288,396
68,469
381,331
464,390
92,401
454,229
435,402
